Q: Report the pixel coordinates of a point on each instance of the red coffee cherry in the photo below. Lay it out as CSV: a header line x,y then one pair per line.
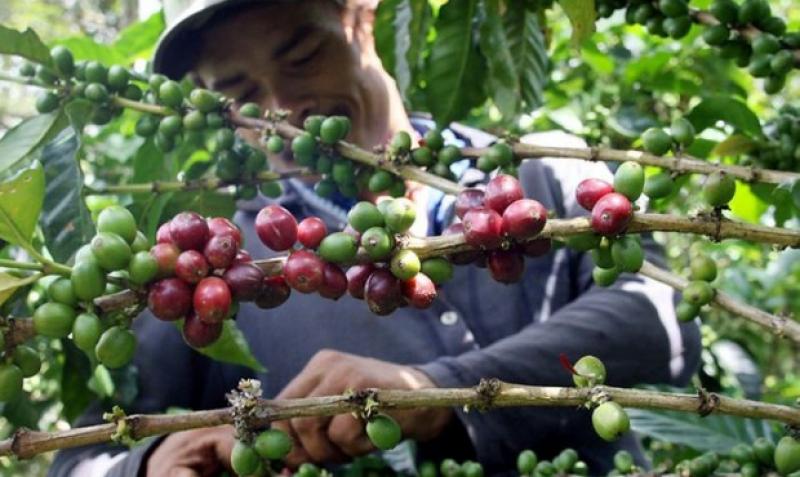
x,y
169,299
166,255
589,191
198,333
244,280
506,266
501,191
334,282
276,227
242,256
219,226
220,250
383,292
467,200
212,300
191,266
537,248
611,214
311,231
303,271
163,235
357,276
274,292
189,231
483,228
524,219
420,291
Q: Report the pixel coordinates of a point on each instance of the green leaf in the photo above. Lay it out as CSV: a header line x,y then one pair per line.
x,y
24,138
26,44
582,15
139,39
21,199
527,45
726,109
231,347
716,433
734,145
503,77
66,222
455,68
75,375
385,33
10,283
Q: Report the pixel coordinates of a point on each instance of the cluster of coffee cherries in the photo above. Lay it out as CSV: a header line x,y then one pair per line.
x,y
379,273
611,208
699,291
501,225
770,55
762,457
565,463
202,275
782,149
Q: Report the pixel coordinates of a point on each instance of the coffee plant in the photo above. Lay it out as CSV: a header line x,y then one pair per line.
x,y
90,240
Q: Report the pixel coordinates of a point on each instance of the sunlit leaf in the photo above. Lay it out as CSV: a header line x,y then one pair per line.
x,y
26,44
582,16
21,199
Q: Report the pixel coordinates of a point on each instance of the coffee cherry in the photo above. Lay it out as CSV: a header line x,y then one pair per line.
x,y
250,110
659,185
439,270
483,228
377,242
467,200
338,247
602,256
589,191
610,421
27,360
47,102
716,35
86,331
686,311
191,266
199,334
111,251
220,251
506,266
564,461
357,277
384,432
303,148
46,75
63,60
212,300
405,264
189,231
590,371
382,292
726,11
244,459
96,92
166,255
422,156
703,268
275,144
163,234
142,268
427,469
611,214
472,469
420,291
450,468
719,189
311,231
273,444
698,293
170,126
764,451
682,132
60,291
656,141
88,280
400,215
170,94
448,155
433,139
116,347
623,462
140,243
501,191
605,277
274,292
787,455
204,100
220,226
628,254
10,382
742,454
332,130
53,320
583,242
304,270
276,227
380,181
501,153
629,180
365,215
526,462
334,282
169,299
244,280
524,219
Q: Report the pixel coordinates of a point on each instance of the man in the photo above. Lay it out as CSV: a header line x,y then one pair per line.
x,y
318,57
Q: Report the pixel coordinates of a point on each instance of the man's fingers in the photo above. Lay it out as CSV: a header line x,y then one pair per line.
x,y
347,433
182,472
313,434
301,385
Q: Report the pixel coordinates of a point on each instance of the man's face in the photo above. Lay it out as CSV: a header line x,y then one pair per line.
x,y
310,57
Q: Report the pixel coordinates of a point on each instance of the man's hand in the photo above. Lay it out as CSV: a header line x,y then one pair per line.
x,y
195,453
334,439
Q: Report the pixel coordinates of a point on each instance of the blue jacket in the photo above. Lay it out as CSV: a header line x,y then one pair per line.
x,y
477,328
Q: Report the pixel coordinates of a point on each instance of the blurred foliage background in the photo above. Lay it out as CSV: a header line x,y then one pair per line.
x,y
607,90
